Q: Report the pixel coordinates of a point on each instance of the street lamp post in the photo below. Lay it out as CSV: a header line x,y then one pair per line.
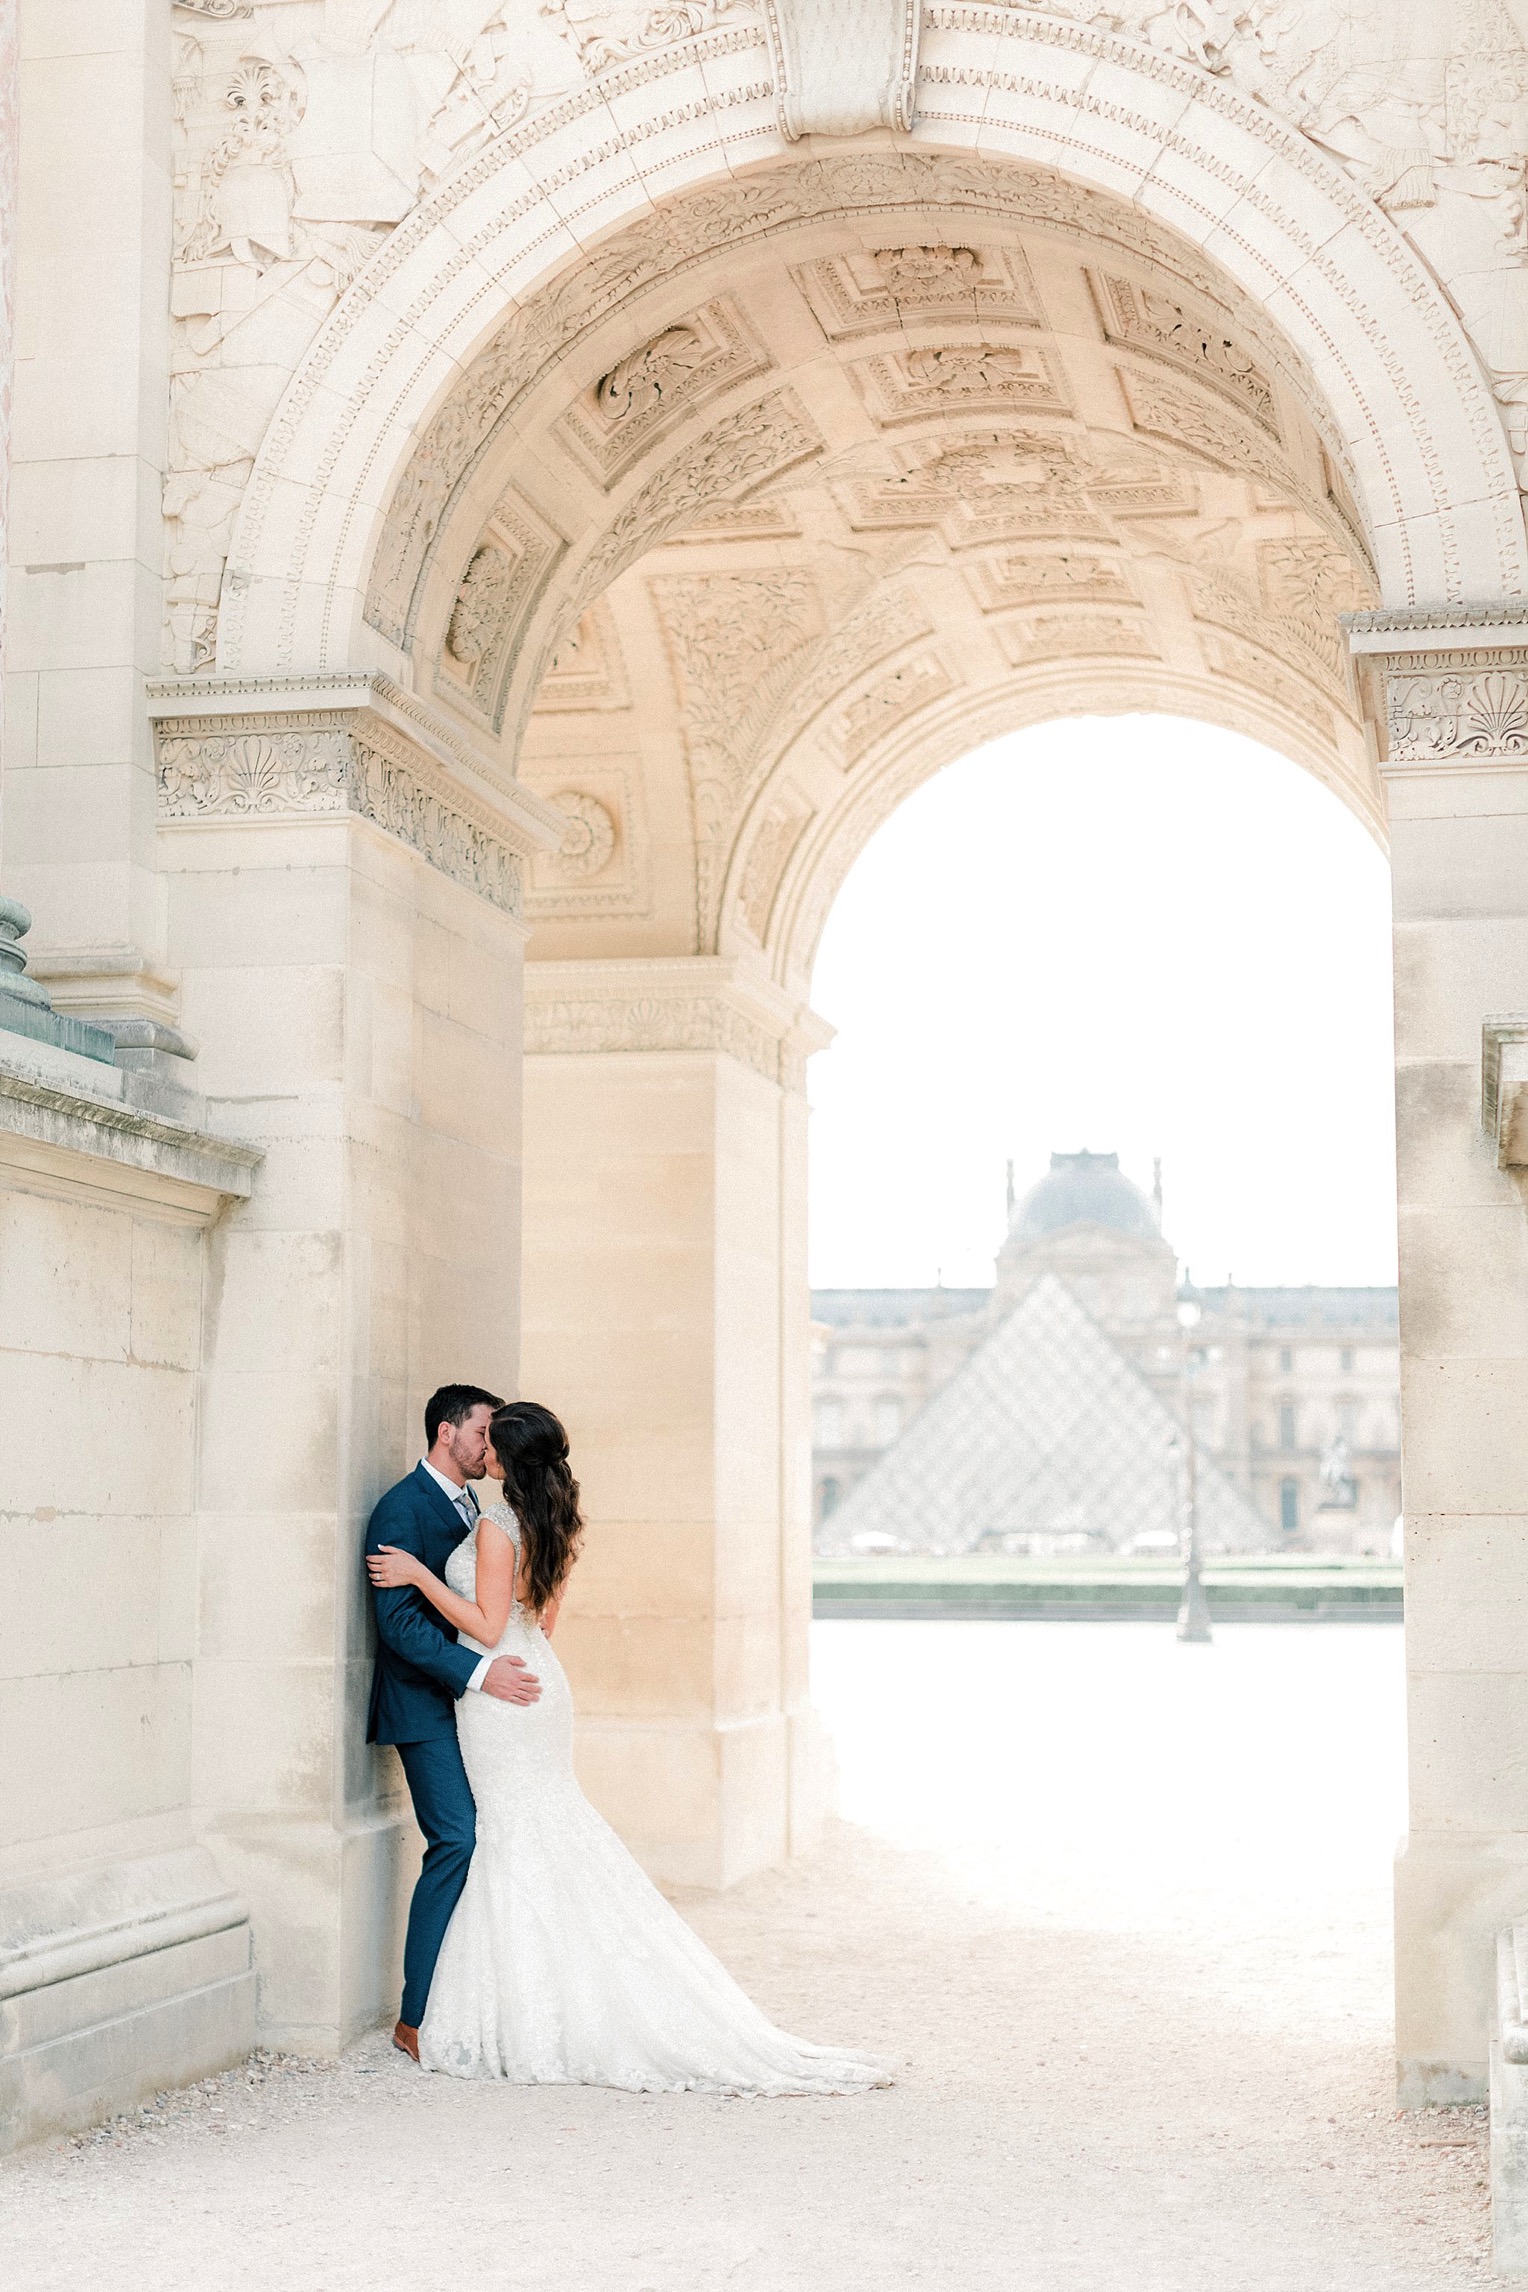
x,y
1193,1613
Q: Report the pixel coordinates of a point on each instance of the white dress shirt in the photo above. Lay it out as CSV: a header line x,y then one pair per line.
x,y
464,1504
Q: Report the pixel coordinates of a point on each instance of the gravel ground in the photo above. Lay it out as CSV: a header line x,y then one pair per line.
x,y
1117,1908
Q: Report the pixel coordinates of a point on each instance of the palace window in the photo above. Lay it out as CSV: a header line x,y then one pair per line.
x,y
1286,1357
1289,1506
1287,1425
828,1500
1345,1360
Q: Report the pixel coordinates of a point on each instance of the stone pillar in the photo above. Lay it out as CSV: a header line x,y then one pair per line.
x,y
666,1319
344,911
1450,692
88,448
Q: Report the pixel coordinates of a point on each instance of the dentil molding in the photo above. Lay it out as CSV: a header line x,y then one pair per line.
x,y
274,749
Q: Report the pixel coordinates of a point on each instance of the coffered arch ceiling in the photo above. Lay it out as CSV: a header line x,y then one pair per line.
x,y
821,505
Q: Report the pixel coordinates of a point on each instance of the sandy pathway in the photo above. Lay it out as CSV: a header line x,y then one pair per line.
x,y
1119,1910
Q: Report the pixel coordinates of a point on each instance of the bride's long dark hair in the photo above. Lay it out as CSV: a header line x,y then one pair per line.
x,y
540,1490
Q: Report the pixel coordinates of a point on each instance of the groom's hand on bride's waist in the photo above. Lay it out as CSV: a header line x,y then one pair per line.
x,y
508,1678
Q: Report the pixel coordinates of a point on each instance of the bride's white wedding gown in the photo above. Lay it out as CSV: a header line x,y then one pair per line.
x,y
563,1964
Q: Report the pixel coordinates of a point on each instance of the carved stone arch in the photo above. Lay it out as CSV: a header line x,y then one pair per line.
x,y
523,232
911,753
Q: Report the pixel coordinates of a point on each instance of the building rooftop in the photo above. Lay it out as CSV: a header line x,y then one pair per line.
x,y
1084,1190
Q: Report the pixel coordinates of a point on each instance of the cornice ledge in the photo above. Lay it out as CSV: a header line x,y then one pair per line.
x,y
63,1122
527,823
1438,628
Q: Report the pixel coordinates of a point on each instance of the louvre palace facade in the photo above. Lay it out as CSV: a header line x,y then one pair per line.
x,y
1294,1393
502,502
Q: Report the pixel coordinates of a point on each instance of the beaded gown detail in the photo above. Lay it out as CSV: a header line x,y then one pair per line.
x,y
563,1964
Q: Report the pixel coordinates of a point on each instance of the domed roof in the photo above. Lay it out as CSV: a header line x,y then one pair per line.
x,y
1084,1189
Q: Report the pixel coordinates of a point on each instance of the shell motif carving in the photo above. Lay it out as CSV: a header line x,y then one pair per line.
x,y
589,838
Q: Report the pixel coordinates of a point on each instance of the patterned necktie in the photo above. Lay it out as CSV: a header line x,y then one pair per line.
x,y
466,1505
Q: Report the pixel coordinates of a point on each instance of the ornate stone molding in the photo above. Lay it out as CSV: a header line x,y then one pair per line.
x,y
843,67
699,1003
73,1121
1446,687
287,749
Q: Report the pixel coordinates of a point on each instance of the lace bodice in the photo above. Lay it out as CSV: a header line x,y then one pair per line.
x,y
461,1572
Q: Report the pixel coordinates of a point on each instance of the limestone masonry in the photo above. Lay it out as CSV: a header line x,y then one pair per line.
x,y
503,500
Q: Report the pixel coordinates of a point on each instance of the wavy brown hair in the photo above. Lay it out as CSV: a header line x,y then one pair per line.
x,y
540,1490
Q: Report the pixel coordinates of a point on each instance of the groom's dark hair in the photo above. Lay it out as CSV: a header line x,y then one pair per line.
x,y
453,1405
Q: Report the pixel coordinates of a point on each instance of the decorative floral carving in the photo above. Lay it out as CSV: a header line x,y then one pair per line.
x,y
732,639
888,704
589,841
959,378
1075,636
1246,664
481,602
776,837
1194,421
763,441
888,288
703,1023
219,11
252,772
503,579
642,397
605,32
1058,576
317,766
1140,319
1458,712
587,670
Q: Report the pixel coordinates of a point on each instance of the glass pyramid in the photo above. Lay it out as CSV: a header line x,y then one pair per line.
x,y
1047,1431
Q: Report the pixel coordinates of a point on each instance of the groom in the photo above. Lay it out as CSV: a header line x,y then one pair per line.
x,y
421,1669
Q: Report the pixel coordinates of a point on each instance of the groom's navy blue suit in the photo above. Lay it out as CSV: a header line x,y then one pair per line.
x,y
421,1669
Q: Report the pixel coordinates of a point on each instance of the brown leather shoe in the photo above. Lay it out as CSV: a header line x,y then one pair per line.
x,y
407,2040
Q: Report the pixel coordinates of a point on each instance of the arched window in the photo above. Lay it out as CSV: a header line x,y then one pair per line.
x,y
1287,1425
1289,1506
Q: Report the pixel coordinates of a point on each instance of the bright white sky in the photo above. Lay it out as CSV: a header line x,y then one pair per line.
x,y
1126,933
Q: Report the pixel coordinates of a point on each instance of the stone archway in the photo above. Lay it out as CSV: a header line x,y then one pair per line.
x,y
1101,388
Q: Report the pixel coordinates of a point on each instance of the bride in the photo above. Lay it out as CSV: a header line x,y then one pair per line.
x,y
563,1964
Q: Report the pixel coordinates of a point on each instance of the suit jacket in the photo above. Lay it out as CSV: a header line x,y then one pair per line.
x,y
421,1667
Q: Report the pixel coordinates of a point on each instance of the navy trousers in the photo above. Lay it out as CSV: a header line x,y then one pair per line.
x,y
447,1814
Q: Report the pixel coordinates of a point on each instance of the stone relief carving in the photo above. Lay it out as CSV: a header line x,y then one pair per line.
x,y
650,1023
609,427
959,378
503,578
1164,410
602,867
1475,705
590,839
604,32
889,703
315,767
763,441
587,670
775,839
895,285
1075,636
890,287
867,634
1246,664
1137,318
732,638
1056,577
